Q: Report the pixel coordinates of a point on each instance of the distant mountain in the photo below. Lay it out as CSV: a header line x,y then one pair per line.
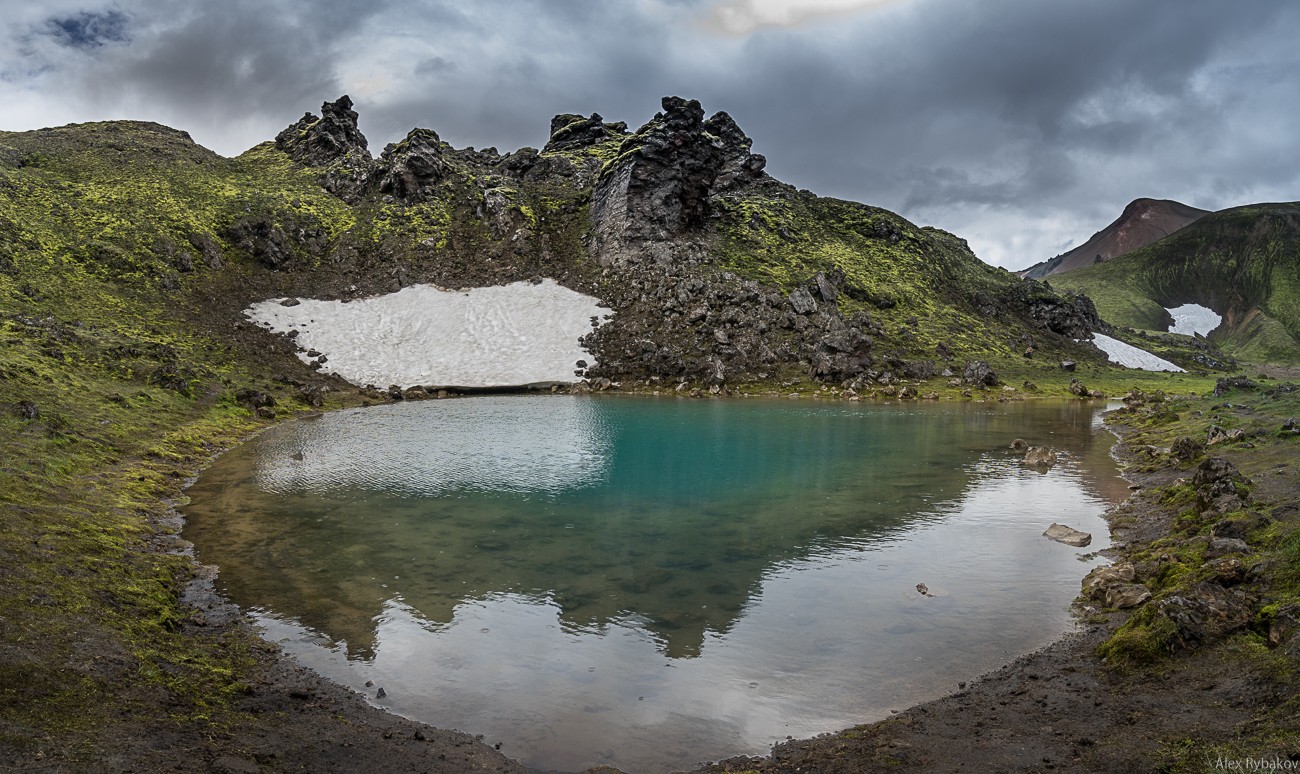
x,y
1244,263
1144,221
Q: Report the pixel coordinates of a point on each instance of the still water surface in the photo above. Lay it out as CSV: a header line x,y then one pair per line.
x,y
652,583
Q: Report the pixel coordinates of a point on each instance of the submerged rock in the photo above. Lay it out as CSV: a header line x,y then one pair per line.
x,y
1067,535
1040,457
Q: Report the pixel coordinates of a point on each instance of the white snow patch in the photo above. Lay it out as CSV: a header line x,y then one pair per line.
x,y
502,336
1191,319
1130,356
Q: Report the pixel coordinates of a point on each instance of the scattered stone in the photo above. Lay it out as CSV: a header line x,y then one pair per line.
x,y
1224,546
396,392
415,393
1229,528
1096,582
1216,483
1077,388
923,590
254,399
1067,535
1068,365
978,372
290,302
1289,428
1217,435
1040,457
1285,623
1207,613
826,287
25,409
1185,449
1228,384
1227,570
312,395
1122,596
381,693
802,301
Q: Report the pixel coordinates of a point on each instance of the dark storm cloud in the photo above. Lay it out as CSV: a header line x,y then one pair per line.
x,y
233,62
88,29
507,66
1023,125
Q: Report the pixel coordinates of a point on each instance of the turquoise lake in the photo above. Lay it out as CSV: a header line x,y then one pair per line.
x,y
651,583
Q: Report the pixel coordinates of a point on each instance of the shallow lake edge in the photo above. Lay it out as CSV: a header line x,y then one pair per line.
x,y
202,596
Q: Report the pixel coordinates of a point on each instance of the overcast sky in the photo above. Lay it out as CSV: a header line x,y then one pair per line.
x,y
1021,125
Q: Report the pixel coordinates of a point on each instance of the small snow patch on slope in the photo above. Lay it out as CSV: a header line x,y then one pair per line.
x,y
1130,356
1190,319
501,336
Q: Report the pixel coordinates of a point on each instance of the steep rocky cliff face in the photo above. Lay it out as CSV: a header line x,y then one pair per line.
x,y
718,273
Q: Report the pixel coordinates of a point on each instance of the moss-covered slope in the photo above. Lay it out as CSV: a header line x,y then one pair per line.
x,y
1244,263
127,254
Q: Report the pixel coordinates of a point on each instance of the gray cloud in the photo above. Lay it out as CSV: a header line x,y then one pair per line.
x,y
1021,125
89,29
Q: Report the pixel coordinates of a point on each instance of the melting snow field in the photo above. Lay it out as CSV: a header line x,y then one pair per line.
x,y
510,335
1130,356
1191,319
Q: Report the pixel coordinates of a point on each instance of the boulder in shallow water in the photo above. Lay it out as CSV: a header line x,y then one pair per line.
x,y
1067,535
1040,457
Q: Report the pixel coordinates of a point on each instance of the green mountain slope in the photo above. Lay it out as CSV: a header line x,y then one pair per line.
x,y
1244,263
127,254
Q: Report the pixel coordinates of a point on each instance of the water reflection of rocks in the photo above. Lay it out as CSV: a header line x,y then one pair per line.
x,y
666,517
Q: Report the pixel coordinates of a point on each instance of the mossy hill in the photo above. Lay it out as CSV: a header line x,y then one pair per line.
x,y
729,275
1244,263
128,252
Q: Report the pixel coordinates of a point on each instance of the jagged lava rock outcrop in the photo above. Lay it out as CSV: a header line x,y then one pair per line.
x,y
658,224
334,141
660,186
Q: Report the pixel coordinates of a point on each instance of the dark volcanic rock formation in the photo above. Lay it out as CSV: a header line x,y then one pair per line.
x,y
335,142
573,132
658,188
718,273
410,167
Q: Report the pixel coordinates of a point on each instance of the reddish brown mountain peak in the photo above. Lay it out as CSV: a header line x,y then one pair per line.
x,y
1143,221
